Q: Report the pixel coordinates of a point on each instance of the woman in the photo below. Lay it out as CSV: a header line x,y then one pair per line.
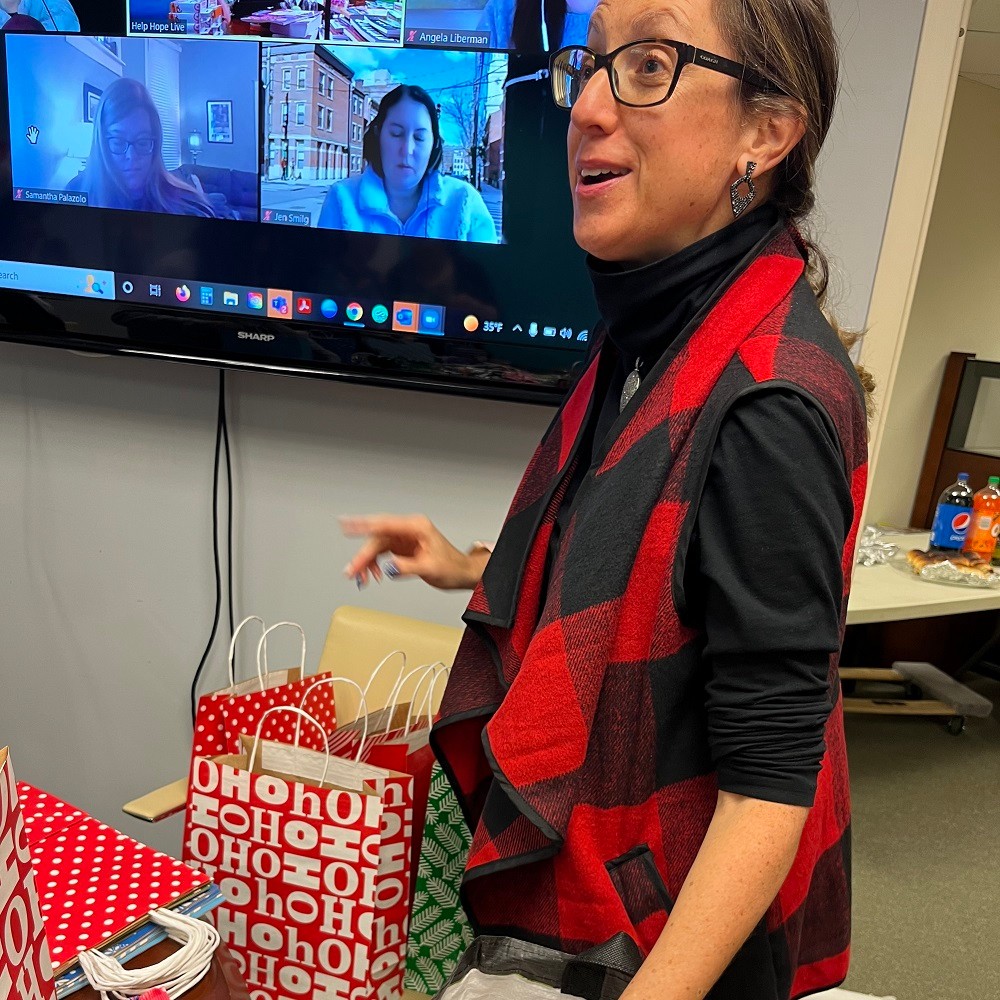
x,y
643,720
14,21
520,24
50,15
125,168
402,191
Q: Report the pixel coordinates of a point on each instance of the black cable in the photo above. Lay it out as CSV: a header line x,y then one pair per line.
x,y
229,493
220,424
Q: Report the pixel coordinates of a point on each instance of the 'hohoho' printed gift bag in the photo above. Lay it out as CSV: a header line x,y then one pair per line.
x,y
25,965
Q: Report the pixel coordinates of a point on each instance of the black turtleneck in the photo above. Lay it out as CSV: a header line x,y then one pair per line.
x,y
645,309
763,577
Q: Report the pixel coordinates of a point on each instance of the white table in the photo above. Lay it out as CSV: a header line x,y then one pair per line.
x,y
884,594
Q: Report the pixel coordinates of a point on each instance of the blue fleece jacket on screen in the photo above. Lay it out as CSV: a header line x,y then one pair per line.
x,y
449,209
55,15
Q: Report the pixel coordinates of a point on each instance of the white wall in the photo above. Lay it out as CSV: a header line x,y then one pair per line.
x,y
106,587
957,302
106,582
857,168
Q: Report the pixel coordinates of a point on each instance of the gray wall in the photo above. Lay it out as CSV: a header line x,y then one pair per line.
x,y
106,587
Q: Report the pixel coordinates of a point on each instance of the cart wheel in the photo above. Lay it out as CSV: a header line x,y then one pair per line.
x,y
956,725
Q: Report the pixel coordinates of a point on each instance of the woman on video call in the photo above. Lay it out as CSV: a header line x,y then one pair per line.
x,y
49,15
125,168
518,24
643,722
402,191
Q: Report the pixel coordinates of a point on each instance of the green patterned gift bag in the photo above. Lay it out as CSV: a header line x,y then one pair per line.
x,y
439,930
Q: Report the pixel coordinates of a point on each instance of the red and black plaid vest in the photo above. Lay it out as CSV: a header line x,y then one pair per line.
x,y
573,727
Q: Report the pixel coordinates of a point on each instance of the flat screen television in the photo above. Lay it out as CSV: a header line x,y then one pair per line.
x,y
369,190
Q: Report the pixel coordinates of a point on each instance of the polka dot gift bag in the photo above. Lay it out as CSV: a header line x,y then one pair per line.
x,y
224,715
25,964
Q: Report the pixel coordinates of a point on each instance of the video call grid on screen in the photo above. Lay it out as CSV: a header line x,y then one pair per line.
x,y
144,124
512,25
515,25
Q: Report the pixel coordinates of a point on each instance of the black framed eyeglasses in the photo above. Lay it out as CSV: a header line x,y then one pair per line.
x,y
643,73
119,147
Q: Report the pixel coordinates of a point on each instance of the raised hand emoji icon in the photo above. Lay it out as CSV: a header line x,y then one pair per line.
x,y
33,134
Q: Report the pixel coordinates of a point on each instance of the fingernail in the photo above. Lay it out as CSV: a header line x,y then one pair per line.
x,y
347,570
390,569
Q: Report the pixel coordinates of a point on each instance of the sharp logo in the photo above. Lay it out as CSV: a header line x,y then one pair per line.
x,y
247,335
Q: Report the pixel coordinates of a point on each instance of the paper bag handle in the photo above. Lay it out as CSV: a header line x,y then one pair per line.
x,y
298,711
331,681
438,669
385,660
431,673
424,671
232,652
176,974
262,647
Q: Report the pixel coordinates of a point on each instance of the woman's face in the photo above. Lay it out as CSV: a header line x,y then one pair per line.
x,y
10,6
665,170
405,143
130,144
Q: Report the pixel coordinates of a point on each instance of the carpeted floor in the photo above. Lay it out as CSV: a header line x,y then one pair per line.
x,y
926,856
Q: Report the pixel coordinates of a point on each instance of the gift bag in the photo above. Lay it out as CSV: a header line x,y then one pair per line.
x,y
309,851
439,930
503,968
397,738
395,874
25,965
223,715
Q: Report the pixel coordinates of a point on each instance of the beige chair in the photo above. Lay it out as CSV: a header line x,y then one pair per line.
x,y
359,639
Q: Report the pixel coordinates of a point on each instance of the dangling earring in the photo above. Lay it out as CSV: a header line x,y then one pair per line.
x,y
741,202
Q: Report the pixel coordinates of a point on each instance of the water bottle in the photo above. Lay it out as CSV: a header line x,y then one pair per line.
x,y
953,517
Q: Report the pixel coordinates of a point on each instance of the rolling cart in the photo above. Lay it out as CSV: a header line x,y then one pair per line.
x,y
925,691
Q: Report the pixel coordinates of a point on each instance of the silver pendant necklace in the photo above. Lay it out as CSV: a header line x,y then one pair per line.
x,y
631,386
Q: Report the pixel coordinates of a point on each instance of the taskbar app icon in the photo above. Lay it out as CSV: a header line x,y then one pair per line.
x,y
418,317
279,303
405,317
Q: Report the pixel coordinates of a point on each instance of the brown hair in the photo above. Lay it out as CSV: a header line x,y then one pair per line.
x,y
792,42
164,192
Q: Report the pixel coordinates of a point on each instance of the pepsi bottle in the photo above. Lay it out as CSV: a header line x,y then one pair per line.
x,y
953,517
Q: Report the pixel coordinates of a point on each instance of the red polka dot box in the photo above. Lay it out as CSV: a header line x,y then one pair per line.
x,y
94,884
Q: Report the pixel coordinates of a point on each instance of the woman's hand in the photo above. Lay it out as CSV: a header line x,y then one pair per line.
x,y
417,549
